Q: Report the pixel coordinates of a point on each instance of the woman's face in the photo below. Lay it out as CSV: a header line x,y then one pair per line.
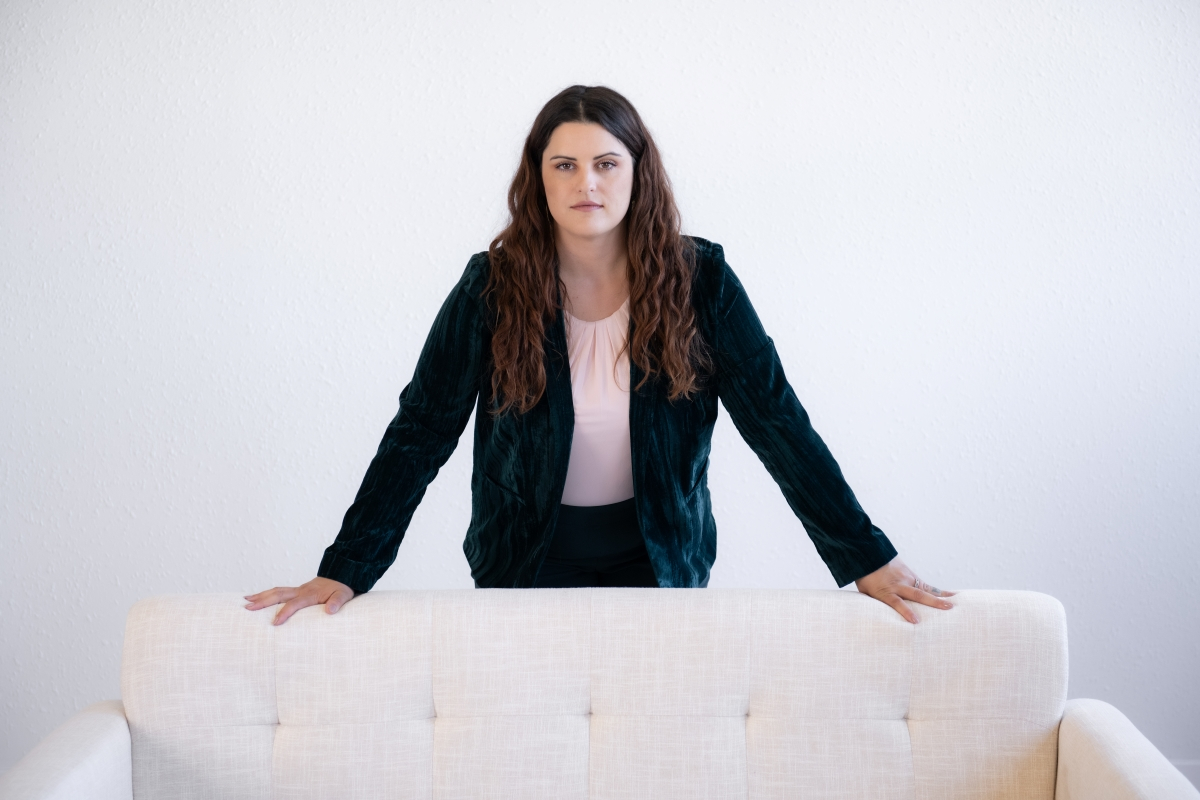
x,y
588,175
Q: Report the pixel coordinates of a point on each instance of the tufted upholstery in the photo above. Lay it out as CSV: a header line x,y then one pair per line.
x,y
600,693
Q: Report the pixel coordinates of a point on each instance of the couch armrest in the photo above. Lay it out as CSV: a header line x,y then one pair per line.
x,y
1102,756
87,757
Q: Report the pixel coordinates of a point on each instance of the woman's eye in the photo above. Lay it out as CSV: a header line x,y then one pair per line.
x,y
565,164
608,164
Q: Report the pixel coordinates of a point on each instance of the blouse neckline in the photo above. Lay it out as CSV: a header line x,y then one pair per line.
x,y
623,307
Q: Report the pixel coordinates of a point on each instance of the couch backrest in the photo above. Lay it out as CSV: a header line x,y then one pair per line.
x,y
600,693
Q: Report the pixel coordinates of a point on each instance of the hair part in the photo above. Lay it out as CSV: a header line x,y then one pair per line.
x,y
525,291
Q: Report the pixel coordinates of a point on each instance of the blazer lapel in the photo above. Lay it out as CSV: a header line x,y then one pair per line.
x,y
641,411
561,406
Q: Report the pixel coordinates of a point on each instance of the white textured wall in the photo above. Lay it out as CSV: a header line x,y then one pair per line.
x,y
972,228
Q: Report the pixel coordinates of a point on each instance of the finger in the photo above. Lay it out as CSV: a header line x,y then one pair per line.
x,y
270,597
338,598
901,608
923,597
264,598
285,612
925,587
291,607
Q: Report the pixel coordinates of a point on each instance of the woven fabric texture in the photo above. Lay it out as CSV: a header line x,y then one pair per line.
x,y
87,756
1102,756
597,693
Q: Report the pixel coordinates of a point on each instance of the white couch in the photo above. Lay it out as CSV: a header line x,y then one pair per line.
x,y
600,693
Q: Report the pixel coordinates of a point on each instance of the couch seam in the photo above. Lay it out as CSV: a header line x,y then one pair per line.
x,y
749,685
912,671
432,657
275,692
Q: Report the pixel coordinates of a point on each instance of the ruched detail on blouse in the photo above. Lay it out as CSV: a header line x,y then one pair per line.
x,y
600,470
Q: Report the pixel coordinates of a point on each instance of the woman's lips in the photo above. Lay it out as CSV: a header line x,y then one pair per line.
x,y
586,206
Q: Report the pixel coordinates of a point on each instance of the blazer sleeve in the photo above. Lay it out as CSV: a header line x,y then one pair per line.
x,y
752,386
434,409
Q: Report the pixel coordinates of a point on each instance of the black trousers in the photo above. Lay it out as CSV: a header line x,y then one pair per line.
x,y
597,546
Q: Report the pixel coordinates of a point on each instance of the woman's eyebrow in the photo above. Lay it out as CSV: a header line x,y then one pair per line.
x,y
602,155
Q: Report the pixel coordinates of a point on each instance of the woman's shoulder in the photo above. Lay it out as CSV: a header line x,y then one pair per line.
x,y
709,258
706,250
467,294
475,276
473,282
712,276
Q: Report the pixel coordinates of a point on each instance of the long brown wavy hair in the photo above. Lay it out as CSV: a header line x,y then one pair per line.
x,y
524,288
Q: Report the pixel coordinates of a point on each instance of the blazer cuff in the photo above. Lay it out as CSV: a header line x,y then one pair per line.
x,y
869,556
358,576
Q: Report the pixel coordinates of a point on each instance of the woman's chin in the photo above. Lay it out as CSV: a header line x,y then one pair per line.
x,y
594,230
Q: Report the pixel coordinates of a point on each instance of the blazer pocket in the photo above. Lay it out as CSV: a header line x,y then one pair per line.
x,y
699,482
512,494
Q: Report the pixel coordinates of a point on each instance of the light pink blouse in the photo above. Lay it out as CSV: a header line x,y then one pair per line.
x,y
600,470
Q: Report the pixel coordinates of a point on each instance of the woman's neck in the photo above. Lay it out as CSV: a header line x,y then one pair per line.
x,y
595,272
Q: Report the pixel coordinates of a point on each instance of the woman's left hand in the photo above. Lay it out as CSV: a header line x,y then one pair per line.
x,y
893,583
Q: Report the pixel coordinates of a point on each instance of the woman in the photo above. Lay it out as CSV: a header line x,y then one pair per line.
x,y
594,340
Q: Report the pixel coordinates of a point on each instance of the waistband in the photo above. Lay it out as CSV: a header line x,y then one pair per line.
x,y
594,531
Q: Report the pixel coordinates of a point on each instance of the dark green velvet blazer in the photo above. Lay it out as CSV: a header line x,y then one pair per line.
x,y
520,461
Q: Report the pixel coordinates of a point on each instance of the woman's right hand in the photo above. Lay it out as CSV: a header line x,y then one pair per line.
x,y
319,590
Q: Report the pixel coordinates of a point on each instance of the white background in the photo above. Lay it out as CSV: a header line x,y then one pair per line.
x,y
971,227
